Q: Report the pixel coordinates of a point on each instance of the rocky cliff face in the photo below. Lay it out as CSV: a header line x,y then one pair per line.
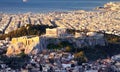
x,y
25,43
15,49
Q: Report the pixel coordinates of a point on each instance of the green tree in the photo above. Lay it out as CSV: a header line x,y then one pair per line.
x,y
80,57
67,48
50,46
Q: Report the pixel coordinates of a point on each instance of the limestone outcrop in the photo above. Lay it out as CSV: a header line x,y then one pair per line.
x,y
17,48
30,45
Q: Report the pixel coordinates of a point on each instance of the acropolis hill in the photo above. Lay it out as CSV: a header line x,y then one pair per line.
x,y
106,19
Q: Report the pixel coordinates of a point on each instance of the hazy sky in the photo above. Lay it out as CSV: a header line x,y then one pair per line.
x,y
17,1
53,0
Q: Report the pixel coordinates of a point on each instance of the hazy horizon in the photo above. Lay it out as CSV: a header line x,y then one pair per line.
x,y
49,5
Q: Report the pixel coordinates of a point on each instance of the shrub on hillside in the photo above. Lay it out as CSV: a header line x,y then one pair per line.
x,y
80,57
26,30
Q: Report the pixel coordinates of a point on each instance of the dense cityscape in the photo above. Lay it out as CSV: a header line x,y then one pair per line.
x,y
72,41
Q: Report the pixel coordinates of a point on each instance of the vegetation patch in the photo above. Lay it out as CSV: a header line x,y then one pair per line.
x,y
27,30
112,38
